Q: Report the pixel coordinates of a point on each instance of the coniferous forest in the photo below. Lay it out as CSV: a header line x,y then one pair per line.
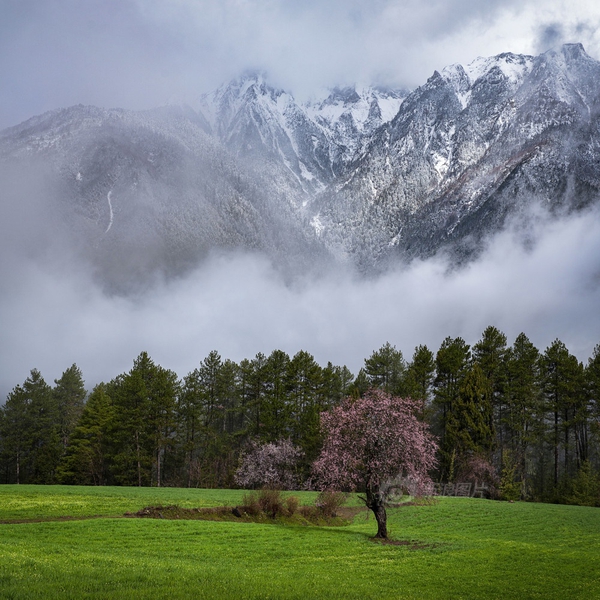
x,y
527,421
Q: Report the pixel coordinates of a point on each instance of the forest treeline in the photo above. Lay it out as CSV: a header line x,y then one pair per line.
x,y
525,420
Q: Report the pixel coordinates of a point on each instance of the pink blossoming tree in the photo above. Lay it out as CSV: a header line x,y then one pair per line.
x,y
273,465
370,441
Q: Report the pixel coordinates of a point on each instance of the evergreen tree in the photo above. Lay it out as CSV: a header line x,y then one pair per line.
x,y
69,393
452,364
29,432
585,487
420,374
144,400
345,378
468,428
145,428
562,378
592,376
256,382
44,440
522,418
361,385
311,390
304,380
335,383
14,436
231,397
490,353
276,413
328,386
85,460
209,377
245,394
211,404
189,415
385,370
593,380
162,420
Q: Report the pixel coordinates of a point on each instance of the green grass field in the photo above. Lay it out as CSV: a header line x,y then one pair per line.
x,y
464,548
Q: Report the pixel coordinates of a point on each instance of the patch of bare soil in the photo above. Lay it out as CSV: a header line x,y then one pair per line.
x,y
304,516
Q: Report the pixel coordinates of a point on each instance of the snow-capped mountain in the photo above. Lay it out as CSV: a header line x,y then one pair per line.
x,y
304,145
467,148
366,174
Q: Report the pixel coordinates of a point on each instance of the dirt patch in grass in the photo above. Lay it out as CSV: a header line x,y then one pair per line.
x,y
309,516
305,515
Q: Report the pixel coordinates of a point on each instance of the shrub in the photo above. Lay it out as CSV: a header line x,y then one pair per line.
x,y
250,504
509,488
328,502
267,501
478,470
309,512
271,502
291,505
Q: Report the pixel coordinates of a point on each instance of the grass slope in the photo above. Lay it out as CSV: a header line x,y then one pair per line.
x,y
467,549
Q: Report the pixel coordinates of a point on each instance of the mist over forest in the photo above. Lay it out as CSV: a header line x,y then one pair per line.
x,y
540,276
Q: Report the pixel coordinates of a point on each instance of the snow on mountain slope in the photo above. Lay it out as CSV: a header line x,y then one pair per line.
x,y
351,114
303,146
466,149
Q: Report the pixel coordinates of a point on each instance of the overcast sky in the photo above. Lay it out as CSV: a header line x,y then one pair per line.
x,y
144,53
147,53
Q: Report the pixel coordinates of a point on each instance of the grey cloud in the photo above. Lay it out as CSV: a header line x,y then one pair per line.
x,y
550,36
138,54
568,28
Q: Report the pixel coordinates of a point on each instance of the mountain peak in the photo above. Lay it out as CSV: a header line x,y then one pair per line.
x,y
346,95
513,66
574,51
568,54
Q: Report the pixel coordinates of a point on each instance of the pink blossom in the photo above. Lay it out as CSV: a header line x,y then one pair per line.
x,y
371,440
273,465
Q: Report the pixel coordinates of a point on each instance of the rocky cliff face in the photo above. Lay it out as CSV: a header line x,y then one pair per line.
x,y
465,150
368,175
305,146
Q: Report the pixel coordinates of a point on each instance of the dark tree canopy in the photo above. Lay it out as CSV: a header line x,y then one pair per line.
x,y
524,421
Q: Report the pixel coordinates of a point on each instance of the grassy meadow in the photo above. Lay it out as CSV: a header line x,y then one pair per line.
x,y
460,548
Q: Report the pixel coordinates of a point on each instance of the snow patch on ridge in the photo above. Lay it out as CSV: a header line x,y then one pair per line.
x,y
514,67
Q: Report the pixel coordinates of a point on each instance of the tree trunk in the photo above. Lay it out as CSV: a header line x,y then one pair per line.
x,y
375,502
139,463
158,467
555,449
